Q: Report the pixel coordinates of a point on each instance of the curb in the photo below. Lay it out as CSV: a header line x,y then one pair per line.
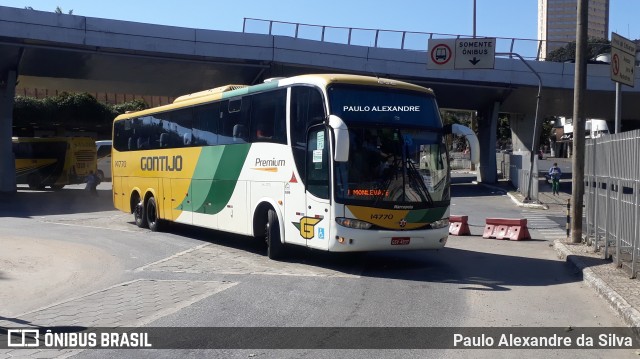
x,y
513,198
629,314
526,205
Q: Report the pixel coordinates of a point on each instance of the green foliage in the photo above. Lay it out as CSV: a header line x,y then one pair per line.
x,y
135,105
547,128
504,129
457,117
69,111
59,11
568,52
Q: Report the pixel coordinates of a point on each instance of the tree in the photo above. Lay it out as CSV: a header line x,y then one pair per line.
x,y
59,11
78,110
595,47
504,130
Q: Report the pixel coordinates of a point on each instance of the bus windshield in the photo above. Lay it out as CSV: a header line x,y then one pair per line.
x,y
397,153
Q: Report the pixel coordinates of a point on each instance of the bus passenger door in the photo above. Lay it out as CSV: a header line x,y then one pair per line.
x,y
119,194
165,202
181,200
203,203
314,227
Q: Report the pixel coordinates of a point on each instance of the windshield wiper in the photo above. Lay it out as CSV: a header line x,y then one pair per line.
x,y
388,175
417,182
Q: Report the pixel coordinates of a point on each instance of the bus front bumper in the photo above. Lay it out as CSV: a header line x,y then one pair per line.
x,y
355,240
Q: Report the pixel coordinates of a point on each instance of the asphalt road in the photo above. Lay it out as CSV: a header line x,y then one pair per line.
x,y
73,260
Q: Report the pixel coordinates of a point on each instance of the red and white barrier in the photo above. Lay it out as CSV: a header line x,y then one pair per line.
x,y
458,225
506,228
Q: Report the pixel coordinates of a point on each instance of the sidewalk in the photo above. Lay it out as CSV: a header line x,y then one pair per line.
x,y
611,283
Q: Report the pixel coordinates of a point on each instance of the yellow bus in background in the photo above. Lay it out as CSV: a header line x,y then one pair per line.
x,y
53,161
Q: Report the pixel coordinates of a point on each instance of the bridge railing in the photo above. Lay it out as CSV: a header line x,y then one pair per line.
x,y
530,49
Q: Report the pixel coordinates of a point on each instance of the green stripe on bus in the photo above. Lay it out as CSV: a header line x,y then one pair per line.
x,y
426,215
224,163
250,89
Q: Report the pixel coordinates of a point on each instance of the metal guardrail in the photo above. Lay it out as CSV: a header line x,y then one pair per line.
x,y
460,161
519,166
406,40
612,183
503,162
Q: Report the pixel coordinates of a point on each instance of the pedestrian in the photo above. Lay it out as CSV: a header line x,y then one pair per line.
x,y
92,183
555,173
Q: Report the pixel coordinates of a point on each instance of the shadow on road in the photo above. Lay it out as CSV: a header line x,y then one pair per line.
x,y
472,270
27,203
462,186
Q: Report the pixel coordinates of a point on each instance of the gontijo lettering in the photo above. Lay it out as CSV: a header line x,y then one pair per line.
x,y
161,163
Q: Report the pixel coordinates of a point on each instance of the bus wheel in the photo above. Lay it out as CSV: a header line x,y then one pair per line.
x,y
100,175
34,181
139,215
155,223
275,248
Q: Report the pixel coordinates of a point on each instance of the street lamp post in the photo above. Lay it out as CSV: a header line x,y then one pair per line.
x,y
474,18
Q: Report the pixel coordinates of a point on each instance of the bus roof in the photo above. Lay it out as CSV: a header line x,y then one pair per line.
x,y
321,80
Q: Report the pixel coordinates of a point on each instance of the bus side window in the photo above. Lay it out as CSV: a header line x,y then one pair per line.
x,y
123,136
268,117
234,120
181,121
205,124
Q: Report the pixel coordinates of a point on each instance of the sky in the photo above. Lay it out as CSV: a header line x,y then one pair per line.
x,y
494,18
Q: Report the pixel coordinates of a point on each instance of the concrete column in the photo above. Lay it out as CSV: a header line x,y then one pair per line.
x,y
522,131
487,128
7,161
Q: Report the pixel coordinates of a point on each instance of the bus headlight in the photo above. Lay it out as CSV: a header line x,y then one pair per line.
x,y
440,224
353,223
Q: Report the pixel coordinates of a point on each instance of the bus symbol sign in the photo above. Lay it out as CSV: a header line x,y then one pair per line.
x,y
441,54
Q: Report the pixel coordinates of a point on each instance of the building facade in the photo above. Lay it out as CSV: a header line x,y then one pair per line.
x,y
557,21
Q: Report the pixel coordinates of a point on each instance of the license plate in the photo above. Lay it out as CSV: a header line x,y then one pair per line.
x,y
400,241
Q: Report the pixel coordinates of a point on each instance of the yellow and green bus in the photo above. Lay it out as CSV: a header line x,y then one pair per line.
x,y
331,162
53,161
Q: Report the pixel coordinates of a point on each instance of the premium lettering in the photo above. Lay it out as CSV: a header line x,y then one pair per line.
x,y
161,163
269,163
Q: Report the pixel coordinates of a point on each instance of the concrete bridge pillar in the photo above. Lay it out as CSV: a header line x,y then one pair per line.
x,y
487,128
522,131
7,161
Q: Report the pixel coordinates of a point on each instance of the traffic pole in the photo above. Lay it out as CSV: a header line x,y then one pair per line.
x,y
580,86
568,226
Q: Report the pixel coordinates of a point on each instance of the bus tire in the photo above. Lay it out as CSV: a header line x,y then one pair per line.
x,y
139,215
100,175
34,181
154,222
275,248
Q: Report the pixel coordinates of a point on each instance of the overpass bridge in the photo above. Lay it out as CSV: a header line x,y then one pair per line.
x,y
77,53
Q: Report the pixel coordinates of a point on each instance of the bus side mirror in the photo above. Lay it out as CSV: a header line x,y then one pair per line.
x,y
341,134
